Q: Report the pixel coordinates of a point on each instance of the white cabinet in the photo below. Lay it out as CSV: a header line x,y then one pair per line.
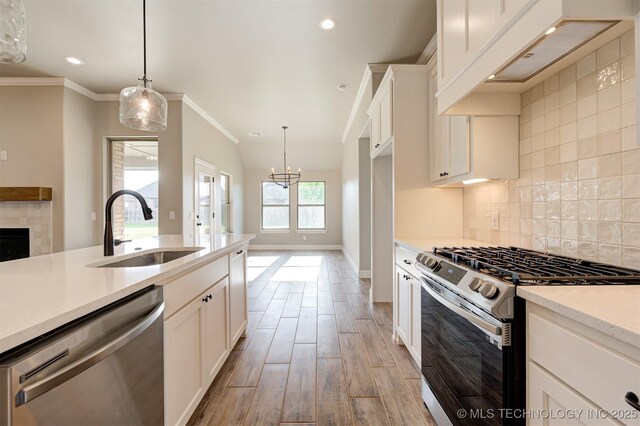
x,y
237,294
573,366
407,307
184,362
381,114
216,329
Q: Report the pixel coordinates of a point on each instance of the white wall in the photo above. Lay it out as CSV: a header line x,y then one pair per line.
x,y
350,204
201,139
364,172
332,238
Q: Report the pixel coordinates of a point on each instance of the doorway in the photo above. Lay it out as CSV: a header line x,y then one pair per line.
x,y
204,221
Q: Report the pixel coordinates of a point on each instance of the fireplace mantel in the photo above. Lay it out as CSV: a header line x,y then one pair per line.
x,y
25,193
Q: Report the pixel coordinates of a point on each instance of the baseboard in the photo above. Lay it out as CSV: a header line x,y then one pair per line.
x,y
294,247
364,274
350,260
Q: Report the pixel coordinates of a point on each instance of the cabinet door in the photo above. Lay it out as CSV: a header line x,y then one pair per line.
x,y
184,362
375,130
548,394
404,306
216,329
416,321
237,295
458,141
386,114
437,132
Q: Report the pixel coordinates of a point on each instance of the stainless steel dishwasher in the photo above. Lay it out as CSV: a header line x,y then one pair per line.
x,y
103,369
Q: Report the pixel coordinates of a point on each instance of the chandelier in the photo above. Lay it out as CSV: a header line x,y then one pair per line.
x,y
13,31
286,178
141,107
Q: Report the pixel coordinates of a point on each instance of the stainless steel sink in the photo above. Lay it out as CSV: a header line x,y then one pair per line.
x,y
148,259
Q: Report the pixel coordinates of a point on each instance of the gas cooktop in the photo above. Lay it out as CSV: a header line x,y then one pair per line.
x,y
528,267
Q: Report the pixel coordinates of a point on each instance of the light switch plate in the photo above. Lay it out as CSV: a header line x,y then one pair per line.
x,y
3,155
495,221
172,215
93,216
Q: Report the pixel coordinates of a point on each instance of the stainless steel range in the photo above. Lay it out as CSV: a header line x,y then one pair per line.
x,y
473,325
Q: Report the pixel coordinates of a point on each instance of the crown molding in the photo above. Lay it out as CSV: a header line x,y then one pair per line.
x,y
366,79
428,51
111,97
194,106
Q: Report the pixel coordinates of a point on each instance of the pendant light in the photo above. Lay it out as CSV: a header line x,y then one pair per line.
x,y
13,31
141,107
286,178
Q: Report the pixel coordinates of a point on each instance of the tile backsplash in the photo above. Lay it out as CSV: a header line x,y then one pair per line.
x,y
34,215
579,188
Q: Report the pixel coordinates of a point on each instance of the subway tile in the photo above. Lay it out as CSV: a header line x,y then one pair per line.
x,y
537,125
607,98
569,248
610,232
552,156
587,106
631,257
537,92
608,76
569,152
610,188
553,245
608,53
569,171
537,159
609,120
569,210
588,168
611,254
537,176
588,189
552,102
569,229
627,114
551,84
538,226
552,119
610,210
567,76
586,65
568,94
610,165
628,91
552,137
537,108
631,234
631,162
587,148
631,210
609,142
569,191
588,210
631,186
569,132
628,67
525,145
587,85
588,231
587,127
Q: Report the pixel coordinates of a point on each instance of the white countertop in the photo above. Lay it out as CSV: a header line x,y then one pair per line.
x,y
613,310
427,244
41,293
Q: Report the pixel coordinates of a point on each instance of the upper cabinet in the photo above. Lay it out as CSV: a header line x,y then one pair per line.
x,y
381,114
468,148
478,39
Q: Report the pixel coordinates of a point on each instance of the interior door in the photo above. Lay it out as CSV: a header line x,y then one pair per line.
x,y
204,201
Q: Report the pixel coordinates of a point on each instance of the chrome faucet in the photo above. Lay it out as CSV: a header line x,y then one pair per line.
x,y
108,229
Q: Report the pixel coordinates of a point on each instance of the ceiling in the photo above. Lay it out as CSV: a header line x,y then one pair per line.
x,y
252,65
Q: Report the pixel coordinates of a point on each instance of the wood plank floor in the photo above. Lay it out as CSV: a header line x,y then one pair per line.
x,y
316,351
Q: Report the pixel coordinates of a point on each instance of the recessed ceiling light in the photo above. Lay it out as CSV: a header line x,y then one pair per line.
x,y
491,77
342,87
550,30
327,24
255,134
74,61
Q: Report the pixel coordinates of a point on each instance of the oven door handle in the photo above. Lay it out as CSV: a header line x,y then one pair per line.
x,y
479,322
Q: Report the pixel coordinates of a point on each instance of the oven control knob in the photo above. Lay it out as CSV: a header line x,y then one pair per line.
x,y
488,290
475,284
431,263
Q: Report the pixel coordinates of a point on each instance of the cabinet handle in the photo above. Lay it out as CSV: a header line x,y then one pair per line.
x,y
210,297
441,174
632,400
407,261
377,145
206,299
239,252
445,174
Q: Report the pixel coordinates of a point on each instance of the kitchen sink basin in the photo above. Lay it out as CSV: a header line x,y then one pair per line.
x,y
148,259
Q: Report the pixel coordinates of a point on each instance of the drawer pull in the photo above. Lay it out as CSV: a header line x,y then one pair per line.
x,y
406,261
632,400
239,252
377,145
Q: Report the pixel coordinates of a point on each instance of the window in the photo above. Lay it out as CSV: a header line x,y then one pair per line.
x,y
225,203
134,165
275,207
311,205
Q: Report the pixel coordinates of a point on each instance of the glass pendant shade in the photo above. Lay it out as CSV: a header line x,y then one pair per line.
x,y
13,31
143,108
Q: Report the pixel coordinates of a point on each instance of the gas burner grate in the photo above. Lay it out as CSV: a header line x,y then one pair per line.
x,y
528,267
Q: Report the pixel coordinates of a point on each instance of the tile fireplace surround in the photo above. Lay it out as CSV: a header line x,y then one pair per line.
x,y
35,215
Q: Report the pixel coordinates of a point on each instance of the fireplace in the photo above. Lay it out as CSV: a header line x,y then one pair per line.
x,y
14,243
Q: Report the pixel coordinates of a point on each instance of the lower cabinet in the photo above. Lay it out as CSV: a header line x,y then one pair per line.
x,y
196,344
408,313
237,294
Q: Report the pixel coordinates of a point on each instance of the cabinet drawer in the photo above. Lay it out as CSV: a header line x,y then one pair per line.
x,y
595,371
407,259
181,291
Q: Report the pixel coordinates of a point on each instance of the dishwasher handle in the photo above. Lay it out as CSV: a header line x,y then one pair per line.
x,y
34,390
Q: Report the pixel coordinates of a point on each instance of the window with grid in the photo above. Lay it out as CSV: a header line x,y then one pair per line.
x,y
275,207
311,206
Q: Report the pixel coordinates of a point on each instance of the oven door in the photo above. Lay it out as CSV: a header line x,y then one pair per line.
x,y
464,355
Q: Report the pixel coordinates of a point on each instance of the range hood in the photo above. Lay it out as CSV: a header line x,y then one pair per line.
x,y
555,44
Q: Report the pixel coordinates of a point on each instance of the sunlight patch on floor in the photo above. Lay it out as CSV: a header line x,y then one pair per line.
x,y
306,273
304,261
